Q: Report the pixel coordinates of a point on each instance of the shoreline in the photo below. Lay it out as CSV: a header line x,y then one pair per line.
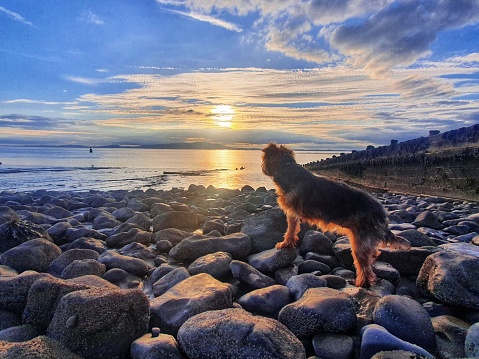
x,y
182,257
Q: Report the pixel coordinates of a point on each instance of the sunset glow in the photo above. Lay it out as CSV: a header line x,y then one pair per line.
x,y
314,74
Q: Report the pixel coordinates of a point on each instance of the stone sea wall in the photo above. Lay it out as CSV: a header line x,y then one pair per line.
x,y
444,164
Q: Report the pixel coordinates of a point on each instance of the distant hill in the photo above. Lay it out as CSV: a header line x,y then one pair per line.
x,y
172,146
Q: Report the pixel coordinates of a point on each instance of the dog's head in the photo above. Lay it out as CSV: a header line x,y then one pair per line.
x,y
274,157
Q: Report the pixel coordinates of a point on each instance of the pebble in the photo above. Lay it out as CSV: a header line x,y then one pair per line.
x,y
69,261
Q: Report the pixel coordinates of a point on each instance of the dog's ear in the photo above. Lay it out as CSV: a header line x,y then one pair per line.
x,y
287,150
271,145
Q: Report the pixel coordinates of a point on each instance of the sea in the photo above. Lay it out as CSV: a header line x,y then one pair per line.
x,y
24,169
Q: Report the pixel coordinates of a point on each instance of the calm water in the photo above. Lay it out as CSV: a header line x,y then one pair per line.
x,y
26,169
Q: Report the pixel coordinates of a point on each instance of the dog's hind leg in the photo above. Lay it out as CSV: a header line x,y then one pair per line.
x,y
291,235
364,252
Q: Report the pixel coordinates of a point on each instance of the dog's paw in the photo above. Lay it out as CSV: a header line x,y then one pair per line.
x,y
285,244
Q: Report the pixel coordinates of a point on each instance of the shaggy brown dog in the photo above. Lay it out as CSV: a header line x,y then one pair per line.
x,y
331,206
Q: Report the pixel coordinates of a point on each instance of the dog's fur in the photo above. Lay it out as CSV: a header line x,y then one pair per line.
x,y
331,206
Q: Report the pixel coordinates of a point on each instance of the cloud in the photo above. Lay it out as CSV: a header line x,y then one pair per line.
x,y
209,19
84,80
377,35
15,16
400,34
89,17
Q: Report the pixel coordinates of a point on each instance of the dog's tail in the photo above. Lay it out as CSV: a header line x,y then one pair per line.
x,y
396,242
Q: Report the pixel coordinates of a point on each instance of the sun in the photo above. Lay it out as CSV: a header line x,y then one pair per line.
x,y
223,115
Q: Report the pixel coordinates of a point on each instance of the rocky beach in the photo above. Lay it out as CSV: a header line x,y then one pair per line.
x,y
193,273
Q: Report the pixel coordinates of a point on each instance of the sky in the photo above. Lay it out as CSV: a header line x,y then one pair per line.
x,y
312,74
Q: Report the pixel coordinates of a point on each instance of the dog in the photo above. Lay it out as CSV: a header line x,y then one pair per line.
x,y
331,206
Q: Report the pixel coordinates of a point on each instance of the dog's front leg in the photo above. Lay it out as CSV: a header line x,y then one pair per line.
x,y
291,235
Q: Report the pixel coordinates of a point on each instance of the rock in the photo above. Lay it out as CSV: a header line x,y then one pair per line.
x,y
189,249
466,238
14,290
397,354
173,235
58,232
133,235
162,346
310,266
319,310
451,277
407,262
8,215
66,258
333,346
89,243
123,214
271,260
96,281
265,229
266,301
386,271
406,319
9,319
215,264
175,219
83,267
99,322
300,283
163,246
132,265
105,220
58,212
342,250
330,260
73,234
472,341
140,251
427,219
37,218
43,298
334,281
169,280
314,241
214,225
35,254
235,333
21,333
284,274
192,296
416,238
450,336
36,348
249,275
140,220
15,233
376,339
160,208
464,248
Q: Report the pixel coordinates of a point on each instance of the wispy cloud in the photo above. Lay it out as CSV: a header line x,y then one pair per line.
x,y
15,16
209,19
84,80
89,17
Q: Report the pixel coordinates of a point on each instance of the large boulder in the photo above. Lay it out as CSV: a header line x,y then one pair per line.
x,y
406,319
191,296
451,277
266,301
235,333
8,215
319,310
249,275
40,347
376,339
43,298
36,254
451,335
407,262
216,264
14,290
162,346
14,233
192,248
133,235
100,322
